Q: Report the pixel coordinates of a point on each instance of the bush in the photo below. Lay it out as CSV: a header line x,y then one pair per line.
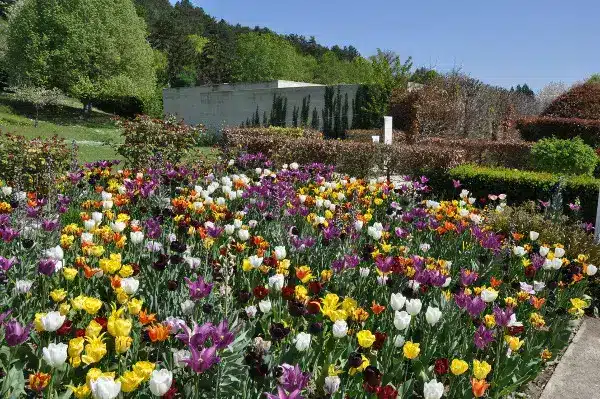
x,y
571,157
582,102
33,164
522,186
274,131
150,141
536,128
366,135
123,106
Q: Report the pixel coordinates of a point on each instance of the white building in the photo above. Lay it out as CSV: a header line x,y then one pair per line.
x,y
269,103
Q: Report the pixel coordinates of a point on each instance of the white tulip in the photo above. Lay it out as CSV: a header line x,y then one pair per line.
x,y
399,341
302,341
424,247
237,223
255,261
534,235
229,229
87,238
358,225
243,234
118,226
52,321
332,384
277,282
89,224
402,320
7,190
192,262
180,357
544,251
340,329
130,285
55,355
519,250
591,270
433,389
559,252
489,295
23,286
280,252
253,223
160,382
397,301
97,217
136,237
55,253
105,388
107,205
538,286
251,311
433,315
364,271
413,306
265,306
294,166
106,196
187,307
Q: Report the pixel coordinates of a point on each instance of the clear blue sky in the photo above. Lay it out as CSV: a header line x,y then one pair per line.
x,y
500,42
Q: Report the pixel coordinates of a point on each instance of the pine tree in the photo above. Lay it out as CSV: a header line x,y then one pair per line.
x,y
315,123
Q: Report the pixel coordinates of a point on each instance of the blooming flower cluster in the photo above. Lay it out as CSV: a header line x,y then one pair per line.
x,y
294,283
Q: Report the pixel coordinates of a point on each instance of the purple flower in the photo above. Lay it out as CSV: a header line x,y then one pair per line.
x,y
293,378
196,337
221,336
50,225
501,316
475,306
6,264
468,277
15,334
46,266
462,300
574,207
153,229
202,360
8,234
4,315
456,183
384,264
281,394
483,337
544,204
198,289
401,233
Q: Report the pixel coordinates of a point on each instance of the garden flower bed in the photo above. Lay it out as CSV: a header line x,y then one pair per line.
x,y
245,282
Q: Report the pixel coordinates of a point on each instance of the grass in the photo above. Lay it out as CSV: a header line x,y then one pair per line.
x,y
95,134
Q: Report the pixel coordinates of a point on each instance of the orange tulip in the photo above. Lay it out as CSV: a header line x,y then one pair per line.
x,y
495,282
158,332
479,387
146,318
39,381
377,308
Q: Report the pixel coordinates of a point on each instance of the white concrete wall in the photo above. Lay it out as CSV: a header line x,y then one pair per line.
x,y
230,105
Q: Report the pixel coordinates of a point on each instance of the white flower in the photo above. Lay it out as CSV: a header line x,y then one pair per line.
x,y
251,311
399,341
52,321
6,190
180,356
397,301
489,295
276,282
23,286
265,306
89,224
261,345
591,270
544,250
229,229
255,261
187,307
136,237
302,198
118,226
87,238
294,166
374,233
413,306
364,271
243,234
433,389
55,253
358,225
559,252
237,223
160,382
55,355
105,388
519,250
424,247
538,285
154,246
402,320
192,262
432,315
332,384
340,329
280,252
447,282
302,341
382,280
252,223
414,285
533,235
130,285
107,205
106,196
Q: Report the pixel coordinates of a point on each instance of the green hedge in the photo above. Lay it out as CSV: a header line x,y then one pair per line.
x,y
521,186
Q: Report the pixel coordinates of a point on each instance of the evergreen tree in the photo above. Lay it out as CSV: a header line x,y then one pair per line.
x,y
265,120
315,123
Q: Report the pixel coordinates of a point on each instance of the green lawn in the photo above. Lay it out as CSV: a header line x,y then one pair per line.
x,y
95,134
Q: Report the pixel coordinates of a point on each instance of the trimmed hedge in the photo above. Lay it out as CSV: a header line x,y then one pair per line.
x,y
536,128
582,101
365,135
522,186
571,157
289,132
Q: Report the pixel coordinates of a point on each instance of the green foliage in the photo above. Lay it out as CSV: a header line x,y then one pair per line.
x,y
39,97
571,157
90,49
522,186
149,142
523,90
424,75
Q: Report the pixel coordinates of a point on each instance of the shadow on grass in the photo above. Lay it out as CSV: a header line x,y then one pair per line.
x,y
64,114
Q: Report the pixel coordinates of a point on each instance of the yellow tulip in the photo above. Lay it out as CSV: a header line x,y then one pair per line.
x,y
130,381
411,350
365,338
126,271
481,369
94,350
119,327
80,392
92,305
122,344
134,306
458,366
143,370
93,329
69,273
64,308
58,295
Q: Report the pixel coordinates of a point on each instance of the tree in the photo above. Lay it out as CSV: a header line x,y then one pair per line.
x,y
39,97
424,75
5,7
89,49
549,92
523,90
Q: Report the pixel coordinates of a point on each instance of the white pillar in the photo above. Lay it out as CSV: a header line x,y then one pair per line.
x,y
387,129
597,226
375,139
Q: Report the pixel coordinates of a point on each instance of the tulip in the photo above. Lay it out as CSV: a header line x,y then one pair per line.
x,y
397,301
55,354
243,234
433,389
15,334
265,306
130,285
302,341
458,367
413,306
136,237
399,341
411,350
105,387
332,384
591,270
365,338
160,382
52,321
479,387
280,252
277,282
489,295
340,329
481,369
433,315
402,320
533,235
559,252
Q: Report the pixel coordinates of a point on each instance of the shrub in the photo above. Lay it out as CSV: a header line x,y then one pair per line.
x,y
148,141
33,164
522,186
572,157
366,135
123,106
582,102
274,131
536,128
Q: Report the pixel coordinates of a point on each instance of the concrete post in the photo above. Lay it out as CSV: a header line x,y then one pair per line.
x,y
387,130
375,139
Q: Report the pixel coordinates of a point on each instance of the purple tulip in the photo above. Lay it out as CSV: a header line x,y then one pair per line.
x,y
468,277
222,337
198,289
293,379
501,316
6,264
46,266
476,306
282,394
4,315
197,336
15,334
201,361
483,337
